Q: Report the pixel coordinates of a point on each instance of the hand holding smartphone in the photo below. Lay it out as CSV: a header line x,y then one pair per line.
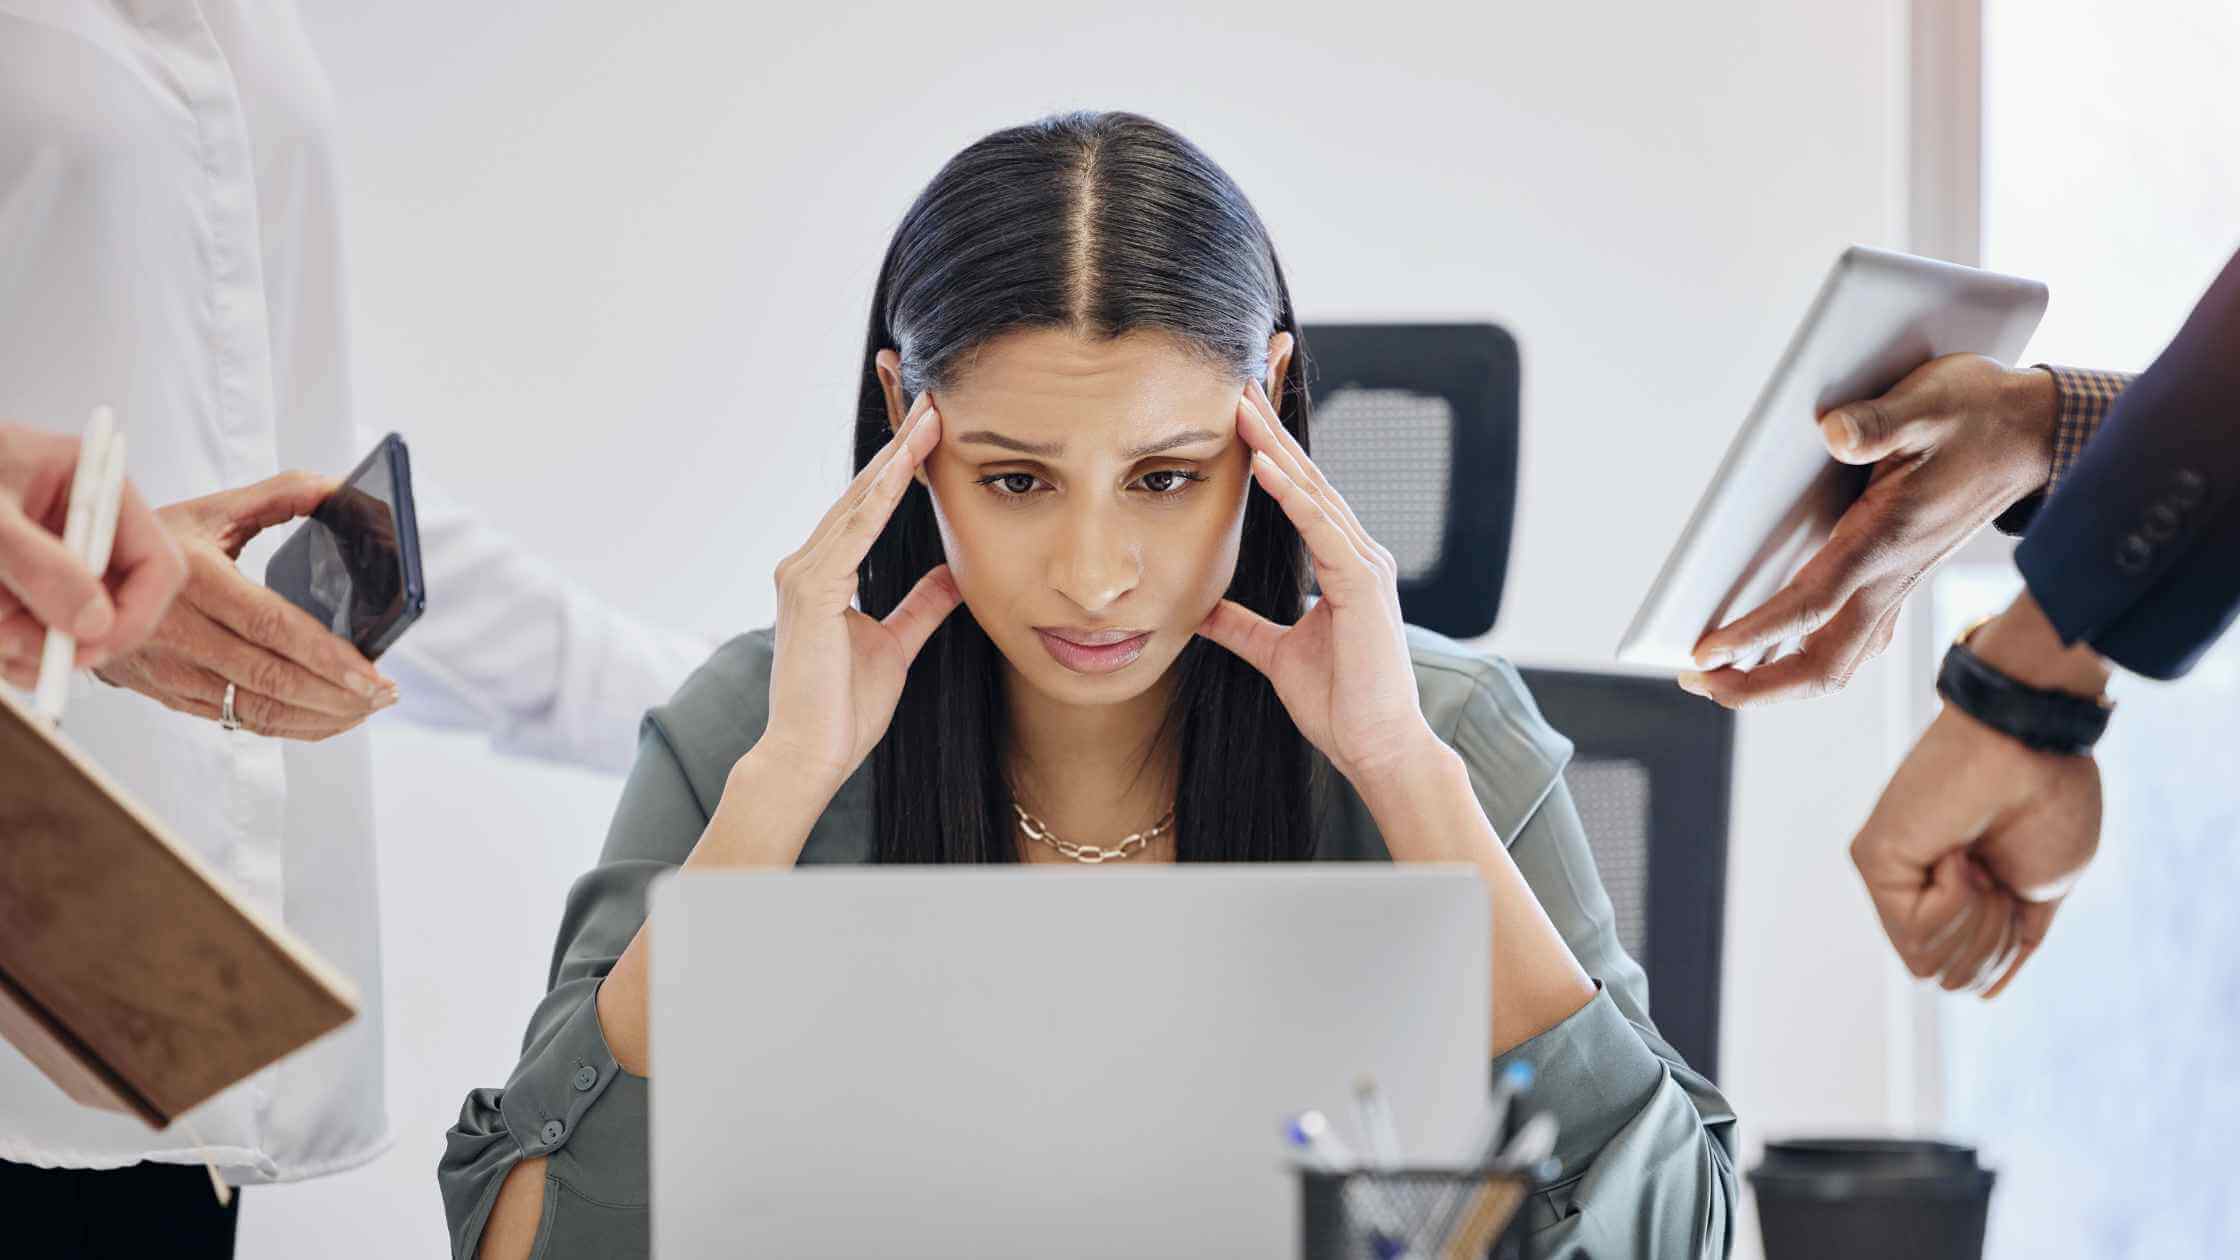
x,y
354,563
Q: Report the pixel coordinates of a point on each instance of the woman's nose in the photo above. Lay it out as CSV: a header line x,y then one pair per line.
x,y
1096,561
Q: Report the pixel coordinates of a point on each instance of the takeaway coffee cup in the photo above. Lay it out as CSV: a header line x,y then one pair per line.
x,y
1854,1198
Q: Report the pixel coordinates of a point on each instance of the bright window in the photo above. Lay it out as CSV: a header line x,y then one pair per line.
x,y
2102,1086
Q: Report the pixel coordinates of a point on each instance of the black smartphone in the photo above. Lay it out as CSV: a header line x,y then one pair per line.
x,y
354,563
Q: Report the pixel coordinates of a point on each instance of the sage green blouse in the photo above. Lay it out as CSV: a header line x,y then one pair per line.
x,y
1647,1143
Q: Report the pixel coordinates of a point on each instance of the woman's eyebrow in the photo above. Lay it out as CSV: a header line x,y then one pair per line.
x,y
981,437
1051,450
1188,437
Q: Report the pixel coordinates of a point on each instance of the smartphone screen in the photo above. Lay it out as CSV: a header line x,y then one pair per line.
x,y
354,563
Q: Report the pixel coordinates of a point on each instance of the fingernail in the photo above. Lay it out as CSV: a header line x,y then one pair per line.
x,y
1841,430
385,699
1692,683
1713,659
94,618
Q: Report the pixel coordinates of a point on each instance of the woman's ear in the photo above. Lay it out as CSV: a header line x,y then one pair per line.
x,y
889,366
1279,368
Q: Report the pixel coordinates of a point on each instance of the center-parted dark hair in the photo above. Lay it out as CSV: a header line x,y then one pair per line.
x,y
1101,224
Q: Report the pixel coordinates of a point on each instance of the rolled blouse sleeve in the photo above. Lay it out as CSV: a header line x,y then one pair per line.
x,y
566,1098
1647,1143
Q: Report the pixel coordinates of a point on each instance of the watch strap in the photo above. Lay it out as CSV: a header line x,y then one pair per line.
x,y
2049,721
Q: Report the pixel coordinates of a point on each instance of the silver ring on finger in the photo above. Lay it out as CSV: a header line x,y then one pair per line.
x,y
226,715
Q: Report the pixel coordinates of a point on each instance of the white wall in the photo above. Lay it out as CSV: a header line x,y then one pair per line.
x,y
612,265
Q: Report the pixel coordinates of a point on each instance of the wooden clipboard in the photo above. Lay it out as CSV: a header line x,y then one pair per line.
x,y
128,973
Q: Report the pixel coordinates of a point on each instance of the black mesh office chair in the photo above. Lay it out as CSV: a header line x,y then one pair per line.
x,y
1422,421
1416,425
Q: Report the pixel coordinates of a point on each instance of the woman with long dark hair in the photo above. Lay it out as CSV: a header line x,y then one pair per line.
x,y
1082,359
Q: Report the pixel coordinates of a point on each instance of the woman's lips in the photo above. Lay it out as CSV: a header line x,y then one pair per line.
x,y
1103,658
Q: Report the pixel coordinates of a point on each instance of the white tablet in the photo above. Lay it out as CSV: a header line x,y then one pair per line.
x,y
1777,494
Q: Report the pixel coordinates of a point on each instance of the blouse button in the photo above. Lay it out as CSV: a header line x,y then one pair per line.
x,y
552,1131
586,1077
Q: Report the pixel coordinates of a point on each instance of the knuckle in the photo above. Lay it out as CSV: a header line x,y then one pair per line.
x,y
269,677
1873,417
265,625
257,712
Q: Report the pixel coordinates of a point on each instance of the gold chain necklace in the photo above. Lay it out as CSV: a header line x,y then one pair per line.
x,y
1128,847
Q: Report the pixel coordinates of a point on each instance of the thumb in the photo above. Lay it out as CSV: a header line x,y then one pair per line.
x,y
1242,631
922,611
49,581
246,511
1866,432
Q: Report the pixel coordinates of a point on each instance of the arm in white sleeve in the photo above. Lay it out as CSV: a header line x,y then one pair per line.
x,y
509,645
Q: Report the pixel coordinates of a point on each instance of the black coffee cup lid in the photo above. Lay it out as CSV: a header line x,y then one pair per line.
x,y
1845,1168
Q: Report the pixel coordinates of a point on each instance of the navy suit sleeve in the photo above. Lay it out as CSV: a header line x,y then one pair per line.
x,y
2138,551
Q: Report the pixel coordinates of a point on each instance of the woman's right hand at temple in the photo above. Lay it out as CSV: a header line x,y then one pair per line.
x,y
836,673
835,676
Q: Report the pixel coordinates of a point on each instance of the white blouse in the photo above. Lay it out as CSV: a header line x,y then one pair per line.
x,y
170,244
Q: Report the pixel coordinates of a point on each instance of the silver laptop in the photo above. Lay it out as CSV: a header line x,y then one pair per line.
x,y
1777,494
1043,1062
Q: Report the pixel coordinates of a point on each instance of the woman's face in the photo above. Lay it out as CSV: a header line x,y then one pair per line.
x,y
1090,495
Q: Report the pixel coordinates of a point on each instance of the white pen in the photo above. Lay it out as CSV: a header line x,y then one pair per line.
x,y
89,492
1496,1202
1448,1205
1309,1133
106,509
1534,1142
1376,1121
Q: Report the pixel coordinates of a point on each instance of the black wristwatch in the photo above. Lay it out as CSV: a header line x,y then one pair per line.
x,y
2049,721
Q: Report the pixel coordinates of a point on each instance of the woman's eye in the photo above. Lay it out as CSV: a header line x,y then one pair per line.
x,y
1011,485
1163,483
1169,481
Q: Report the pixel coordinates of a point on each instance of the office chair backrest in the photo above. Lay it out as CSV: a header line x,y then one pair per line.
x,y
1416,425
1650,774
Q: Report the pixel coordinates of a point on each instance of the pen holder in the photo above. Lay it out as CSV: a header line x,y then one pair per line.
x,y
1421,1213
